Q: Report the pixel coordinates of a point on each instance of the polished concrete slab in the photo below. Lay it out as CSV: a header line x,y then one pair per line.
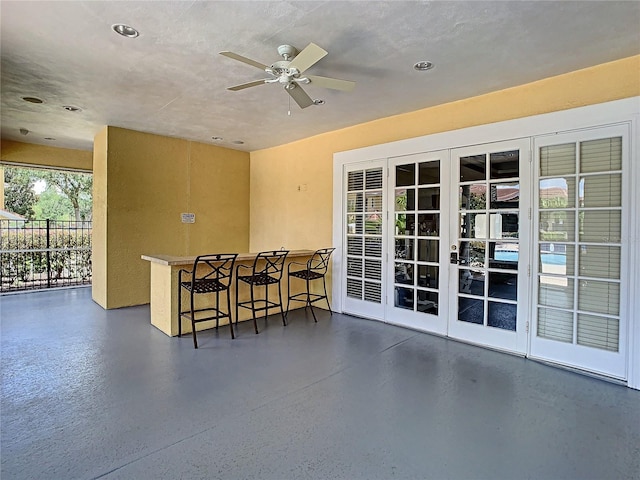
x,y
89,393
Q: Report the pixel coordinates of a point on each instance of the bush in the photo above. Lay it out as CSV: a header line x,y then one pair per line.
x,y
23,255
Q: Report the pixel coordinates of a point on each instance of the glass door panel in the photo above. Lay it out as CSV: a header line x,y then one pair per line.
x,y
578,316
489,254
417,299
364,226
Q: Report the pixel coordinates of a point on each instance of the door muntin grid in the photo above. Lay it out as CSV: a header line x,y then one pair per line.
x,y
417,236
488,243
364,228
579,243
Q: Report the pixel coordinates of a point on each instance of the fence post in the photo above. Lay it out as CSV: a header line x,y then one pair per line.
x,y
48,257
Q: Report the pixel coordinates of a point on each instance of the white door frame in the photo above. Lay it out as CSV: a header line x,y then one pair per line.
x,y
615,112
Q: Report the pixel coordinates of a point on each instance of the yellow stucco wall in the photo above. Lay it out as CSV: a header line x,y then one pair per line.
x,y
99,216
150,181
44,155
283,216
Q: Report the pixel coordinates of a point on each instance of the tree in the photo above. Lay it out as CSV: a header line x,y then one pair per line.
x,y
19,196
53,206
75,186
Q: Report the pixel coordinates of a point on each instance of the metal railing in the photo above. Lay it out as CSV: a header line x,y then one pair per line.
x,y
40,254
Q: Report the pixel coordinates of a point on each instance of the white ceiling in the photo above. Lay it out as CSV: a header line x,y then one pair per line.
x,y
172,81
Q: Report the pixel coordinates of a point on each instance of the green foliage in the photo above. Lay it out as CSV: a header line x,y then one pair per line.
x,y
67,196
53,206
76,187
19,196
23,259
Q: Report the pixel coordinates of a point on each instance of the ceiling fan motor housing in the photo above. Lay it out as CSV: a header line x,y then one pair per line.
x,y
287,51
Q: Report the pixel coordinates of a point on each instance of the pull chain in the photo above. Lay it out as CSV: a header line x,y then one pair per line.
x,y
289,111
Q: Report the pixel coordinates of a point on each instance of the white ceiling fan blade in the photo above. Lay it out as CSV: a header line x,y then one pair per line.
x,y
242,86
242,59
299,95
334,83
308,57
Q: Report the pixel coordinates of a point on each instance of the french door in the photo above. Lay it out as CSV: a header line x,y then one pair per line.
x,y
364,222
489,245
579,314
418,212
516,245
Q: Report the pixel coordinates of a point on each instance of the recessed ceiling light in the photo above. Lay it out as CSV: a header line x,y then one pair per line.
x,y
423,66
71,108
125,30
318,101
238,142
49,138
33,99
217,139
24,131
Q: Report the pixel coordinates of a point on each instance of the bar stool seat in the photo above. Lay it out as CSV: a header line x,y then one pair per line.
x,y
314,269
211,274
266,270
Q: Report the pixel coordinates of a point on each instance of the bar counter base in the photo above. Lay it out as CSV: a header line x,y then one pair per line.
x,y
164,291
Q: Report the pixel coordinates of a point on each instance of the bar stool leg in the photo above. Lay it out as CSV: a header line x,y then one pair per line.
x,y
179,309
326,297
229,310
284,318
253,310
193,323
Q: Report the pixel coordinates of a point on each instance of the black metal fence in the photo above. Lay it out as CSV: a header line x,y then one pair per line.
x,y
44,254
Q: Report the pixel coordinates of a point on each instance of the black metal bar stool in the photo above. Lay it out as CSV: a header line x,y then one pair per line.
x,y
210,274
266,270
315,269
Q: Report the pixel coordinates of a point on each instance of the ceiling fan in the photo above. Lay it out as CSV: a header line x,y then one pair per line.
x,y
289,72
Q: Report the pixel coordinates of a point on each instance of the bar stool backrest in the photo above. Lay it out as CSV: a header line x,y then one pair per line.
x,y
218,267
319,262
270,263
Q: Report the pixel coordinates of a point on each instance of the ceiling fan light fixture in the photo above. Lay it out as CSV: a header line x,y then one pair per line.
x,y
125,30
423,66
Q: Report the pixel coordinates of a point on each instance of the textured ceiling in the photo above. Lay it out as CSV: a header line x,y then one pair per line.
x,y
172,81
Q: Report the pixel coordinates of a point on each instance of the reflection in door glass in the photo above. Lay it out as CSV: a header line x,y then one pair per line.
x,y
429,198
428,250
473,197
404,273
404,249
428,302
404,298
502,315
405,175
503,255
471,282
427,276
428,224
557,192
405,223
405,199
471,310
503,285
473,168
504,195
472,254
504,164
429,173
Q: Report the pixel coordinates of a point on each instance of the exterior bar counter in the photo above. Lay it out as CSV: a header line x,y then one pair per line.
x,y
164,290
